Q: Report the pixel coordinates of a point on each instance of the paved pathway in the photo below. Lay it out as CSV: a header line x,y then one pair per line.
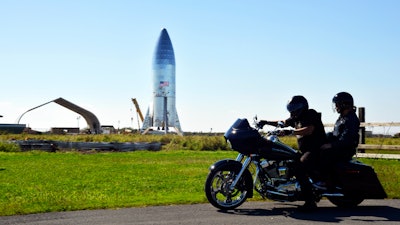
x,y
382,212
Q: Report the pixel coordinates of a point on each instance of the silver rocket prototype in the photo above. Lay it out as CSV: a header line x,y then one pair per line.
x,y
162,114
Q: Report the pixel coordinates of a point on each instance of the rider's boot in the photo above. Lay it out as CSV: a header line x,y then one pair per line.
x,y
309,206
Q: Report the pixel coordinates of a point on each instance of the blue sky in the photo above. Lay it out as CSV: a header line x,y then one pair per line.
x,y
233,59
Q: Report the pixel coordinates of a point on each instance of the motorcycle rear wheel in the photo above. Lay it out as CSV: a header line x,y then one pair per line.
x,y
217,188
347,201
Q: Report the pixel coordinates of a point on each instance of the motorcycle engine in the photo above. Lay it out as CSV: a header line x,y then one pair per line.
x,y
279,184
276,170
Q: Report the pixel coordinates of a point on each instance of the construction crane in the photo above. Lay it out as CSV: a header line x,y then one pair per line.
x,y
138,109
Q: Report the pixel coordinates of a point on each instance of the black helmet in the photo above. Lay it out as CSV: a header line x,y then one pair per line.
x,y
342,100
297,105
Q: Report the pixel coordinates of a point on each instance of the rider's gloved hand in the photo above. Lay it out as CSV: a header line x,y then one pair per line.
x,y
285,132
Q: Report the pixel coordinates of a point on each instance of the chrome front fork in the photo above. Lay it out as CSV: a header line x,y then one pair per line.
x,y
245,165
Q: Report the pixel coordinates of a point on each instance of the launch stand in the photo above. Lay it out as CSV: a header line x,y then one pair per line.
x,y
165,125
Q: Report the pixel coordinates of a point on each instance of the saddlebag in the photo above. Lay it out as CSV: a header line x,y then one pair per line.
x,y
358,178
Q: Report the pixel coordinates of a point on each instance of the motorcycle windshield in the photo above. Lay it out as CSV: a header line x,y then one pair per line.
x,y
241,124
242,137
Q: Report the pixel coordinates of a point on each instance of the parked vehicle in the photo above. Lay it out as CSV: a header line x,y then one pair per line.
x,y
266,165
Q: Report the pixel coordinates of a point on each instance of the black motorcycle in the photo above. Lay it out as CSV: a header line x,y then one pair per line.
x,y
266,165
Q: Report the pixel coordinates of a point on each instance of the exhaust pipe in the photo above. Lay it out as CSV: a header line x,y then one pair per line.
x,y
332,195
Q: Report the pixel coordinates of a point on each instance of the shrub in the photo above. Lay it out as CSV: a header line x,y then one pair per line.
x,y
9,147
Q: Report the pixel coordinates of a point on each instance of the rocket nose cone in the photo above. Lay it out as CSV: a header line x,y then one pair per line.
x,y
164,53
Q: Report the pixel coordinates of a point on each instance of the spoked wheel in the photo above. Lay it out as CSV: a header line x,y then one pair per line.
x,y
218,191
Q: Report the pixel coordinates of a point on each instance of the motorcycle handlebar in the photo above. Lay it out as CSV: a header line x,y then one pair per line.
x,y
281,132
279,125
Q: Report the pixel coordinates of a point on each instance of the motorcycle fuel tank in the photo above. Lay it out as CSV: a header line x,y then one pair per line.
x,y
279,151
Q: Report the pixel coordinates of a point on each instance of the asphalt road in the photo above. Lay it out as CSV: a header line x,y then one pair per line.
x,y
370,211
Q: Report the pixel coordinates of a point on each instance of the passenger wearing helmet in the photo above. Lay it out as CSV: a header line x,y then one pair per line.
x,y
311,135
343,141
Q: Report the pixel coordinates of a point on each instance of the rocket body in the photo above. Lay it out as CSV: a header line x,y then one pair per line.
x,y
162,112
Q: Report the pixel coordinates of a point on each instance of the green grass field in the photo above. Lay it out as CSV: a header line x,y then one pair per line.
x,y
35,182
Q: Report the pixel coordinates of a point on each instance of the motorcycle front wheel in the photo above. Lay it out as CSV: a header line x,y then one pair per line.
x,y
217,188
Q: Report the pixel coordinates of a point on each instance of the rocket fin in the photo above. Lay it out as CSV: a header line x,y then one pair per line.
x,y
148,120
177,124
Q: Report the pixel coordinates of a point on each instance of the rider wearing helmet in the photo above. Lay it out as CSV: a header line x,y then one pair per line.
x,y
307,123
310,134
297,105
